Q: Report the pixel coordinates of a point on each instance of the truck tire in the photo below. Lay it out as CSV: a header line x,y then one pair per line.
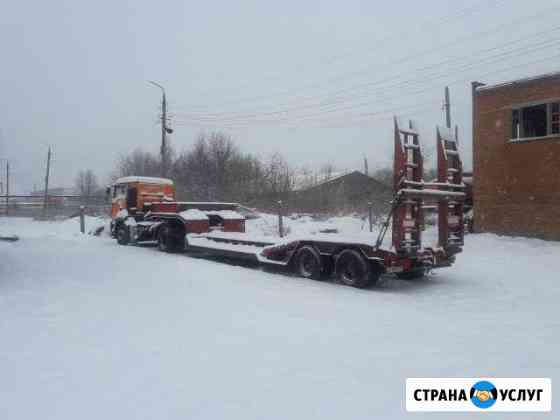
x,y
414,274
328,266
308,263
170,240
123,234
352,269
163,238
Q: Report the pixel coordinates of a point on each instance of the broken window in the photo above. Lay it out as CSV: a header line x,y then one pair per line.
x,y
535,121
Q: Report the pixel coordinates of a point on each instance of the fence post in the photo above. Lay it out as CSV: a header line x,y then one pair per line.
x,y
82,220
7,187
370,215
280,220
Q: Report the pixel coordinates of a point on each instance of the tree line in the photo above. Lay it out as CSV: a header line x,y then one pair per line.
x,y
215,169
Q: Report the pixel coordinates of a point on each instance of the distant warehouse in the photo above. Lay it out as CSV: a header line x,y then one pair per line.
x,y
351,191
516,157
341,193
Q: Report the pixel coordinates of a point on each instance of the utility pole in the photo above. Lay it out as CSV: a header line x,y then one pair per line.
x,y
366,170
163,135
447,106
7,184
46,194
164,130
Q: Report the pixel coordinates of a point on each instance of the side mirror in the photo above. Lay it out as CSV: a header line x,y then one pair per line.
x,y
108,193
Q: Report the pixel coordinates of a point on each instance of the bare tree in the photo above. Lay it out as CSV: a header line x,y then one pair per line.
x,y
139,163
215,169
326,172
278,174
384,175
86,184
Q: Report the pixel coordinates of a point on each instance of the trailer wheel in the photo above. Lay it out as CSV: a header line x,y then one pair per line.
x,y
123,235
308,263
352,269
328,266
416,273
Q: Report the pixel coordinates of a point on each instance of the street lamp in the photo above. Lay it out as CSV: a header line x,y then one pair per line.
x,y
164,129
164,104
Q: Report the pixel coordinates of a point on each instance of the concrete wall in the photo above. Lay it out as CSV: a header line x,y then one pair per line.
x,y
516,184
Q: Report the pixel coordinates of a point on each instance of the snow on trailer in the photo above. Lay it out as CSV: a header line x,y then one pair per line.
x,y
217,229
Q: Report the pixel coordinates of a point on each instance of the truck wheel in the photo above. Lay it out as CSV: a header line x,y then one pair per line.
x,y
308,263
163,238
416,273
352,269
170,240
123,235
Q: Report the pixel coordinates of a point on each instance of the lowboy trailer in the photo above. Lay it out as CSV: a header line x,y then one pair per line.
x,y
144,209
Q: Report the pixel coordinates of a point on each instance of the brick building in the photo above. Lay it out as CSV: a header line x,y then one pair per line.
x,y
516,157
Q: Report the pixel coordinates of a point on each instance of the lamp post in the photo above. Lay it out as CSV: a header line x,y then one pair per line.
x,y
164,129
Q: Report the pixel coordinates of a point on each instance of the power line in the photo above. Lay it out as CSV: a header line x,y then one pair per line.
x,y
400,60
419,78
335,105
368,116
484,75
429,23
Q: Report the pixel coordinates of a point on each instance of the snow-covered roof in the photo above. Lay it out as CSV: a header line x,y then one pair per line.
x,y
144,179
300,183
193,214
226,214
519,81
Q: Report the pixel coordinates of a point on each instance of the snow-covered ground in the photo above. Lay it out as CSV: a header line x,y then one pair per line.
x,y
93,330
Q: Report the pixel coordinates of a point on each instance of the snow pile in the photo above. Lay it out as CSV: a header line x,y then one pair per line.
x,y
121,214
226,214
347,227
193,215
67,229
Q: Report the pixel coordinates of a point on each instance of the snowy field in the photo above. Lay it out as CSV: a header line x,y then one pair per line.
x,y
93,330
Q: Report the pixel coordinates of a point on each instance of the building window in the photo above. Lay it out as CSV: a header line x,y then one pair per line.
x,y
515,121
555,118
534,121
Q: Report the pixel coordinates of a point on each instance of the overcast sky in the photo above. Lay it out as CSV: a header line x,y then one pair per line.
x,y
315,81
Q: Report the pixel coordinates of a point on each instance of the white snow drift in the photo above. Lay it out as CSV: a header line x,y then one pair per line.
x,y
93,330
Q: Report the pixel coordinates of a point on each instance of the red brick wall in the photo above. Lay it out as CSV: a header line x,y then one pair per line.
x,y
516,185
